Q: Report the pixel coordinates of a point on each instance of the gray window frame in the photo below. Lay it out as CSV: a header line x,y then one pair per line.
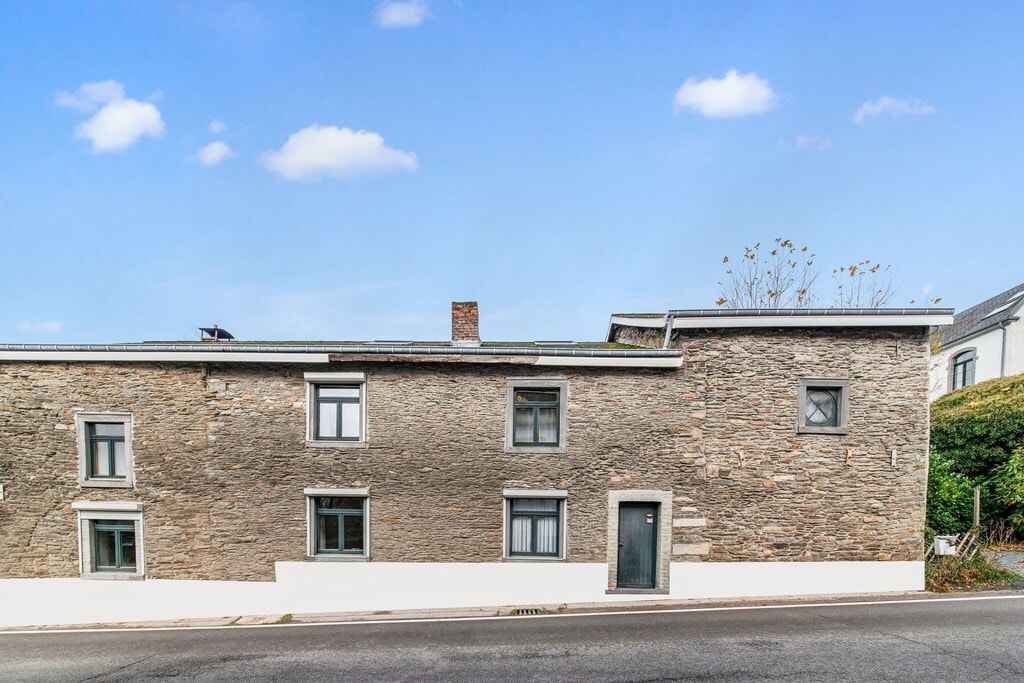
x,y
83,422
510,494
312,522
842,386
92,512
314,380
526,383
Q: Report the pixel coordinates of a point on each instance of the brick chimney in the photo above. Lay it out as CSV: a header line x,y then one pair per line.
x,y
465,323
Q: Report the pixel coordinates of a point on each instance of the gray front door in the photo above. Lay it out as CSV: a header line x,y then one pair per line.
x,y
638,544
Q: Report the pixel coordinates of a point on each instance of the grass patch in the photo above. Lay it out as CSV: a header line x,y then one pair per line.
x,y
946,574
233,622
284,619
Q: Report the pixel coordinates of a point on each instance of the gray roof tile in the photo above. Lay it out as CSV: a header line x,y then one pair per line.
x,y
989,313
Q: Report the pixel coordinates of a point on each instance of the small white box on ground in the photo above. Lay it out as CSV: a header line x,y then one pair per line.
x,y
945,545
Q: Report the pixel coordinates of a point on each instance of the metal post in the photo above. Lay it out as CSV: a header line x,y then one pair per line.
x,y
977,506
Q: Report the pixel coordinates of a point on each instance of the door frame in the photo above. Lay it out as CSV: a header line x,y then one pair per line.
x,y
663,537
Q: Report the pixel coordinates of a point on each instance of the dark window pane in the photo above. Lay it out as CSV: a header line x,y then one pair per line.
x,y
822,407
328,532
353,532
128,550
106,550
340,503
537,395
534,504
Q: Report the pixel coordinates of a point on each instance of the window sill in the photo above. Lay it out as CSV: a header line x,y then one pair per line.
x,y
537,558
834,431
338,558
636,591
337,444
113,576
106,484
536,450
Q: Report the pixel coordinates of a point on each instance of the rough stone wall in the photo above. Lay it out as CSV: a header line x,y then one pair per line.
x,y
221,460
769,493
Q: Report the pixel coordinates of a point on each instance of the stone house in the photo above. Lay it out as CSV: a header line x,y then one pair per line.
x,y
691,454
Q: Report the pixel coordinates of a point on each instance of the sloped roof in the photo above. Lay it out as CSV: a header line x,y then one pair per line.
x,y
986,315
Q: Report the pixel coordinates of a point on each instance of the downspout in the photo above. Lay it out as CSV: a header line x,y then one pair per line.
x,y
1002,354
669,322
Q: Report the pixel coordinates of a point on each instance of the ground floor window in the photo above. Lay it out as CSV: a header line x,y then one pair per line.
x,y
113,546
338,522
339,525
110,539
534,524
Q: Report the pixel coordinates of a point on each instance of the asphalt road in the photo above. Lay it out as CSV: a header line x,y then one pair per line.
x,y
981,640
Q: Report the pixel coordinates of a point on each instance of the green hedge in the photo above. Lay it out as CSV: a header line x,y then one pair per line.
x,y
974,431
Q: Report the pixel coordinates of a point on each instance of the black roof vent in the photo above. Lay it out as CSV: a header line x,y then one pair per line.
x,y
213,334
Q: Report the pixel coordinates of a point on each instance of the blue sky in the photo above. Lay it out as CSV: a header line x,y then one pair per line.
x,y
344,170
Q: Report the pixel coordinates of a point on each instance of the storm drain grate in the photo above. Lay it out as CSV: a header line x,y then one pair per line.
x,y
526,611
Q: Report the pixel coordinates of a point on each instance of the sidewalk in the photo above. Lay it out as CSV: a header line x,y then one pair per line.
x,y
510,611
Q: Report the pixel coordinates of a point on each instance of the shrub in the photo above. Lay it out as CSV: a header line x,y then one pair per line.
x,y
974,432
953,573
1009,485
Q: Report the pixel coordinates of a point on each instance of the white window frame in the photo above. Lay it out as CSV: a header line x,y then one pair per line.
x,y
506,523
517,383
91,511
315,379
311,495
842,385
82,420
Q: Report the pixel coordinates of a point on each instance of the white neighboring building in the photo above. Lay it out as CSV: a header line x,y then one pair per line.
x,y
984,342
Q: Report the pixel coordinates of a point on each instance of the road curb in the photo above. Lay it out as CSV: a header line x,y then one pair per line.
x,y
518,611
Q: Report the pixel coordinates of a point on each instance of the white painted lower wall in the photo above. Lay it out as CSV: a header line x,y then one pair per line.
x,y
310,587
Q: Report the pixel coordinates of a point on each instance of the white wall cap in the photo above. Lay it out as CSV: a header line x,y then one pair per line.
x,y
534,493
364,492
94,506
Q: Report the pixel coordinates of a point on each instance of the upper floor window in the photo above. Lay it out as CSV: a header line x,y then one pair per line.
x,y
963,369
535,420
104,449
106,446
336,409
824,406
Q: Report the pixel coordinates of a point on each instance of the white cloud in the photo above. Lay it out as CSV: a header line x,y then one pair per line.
x,y
733,95
217,126
893,107
48,327
401,13
812,143
319,151
214,153
90,96
119,123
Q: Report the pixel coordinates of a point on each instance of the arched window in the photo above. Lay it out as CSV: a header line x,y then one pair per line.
x,y
963,369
